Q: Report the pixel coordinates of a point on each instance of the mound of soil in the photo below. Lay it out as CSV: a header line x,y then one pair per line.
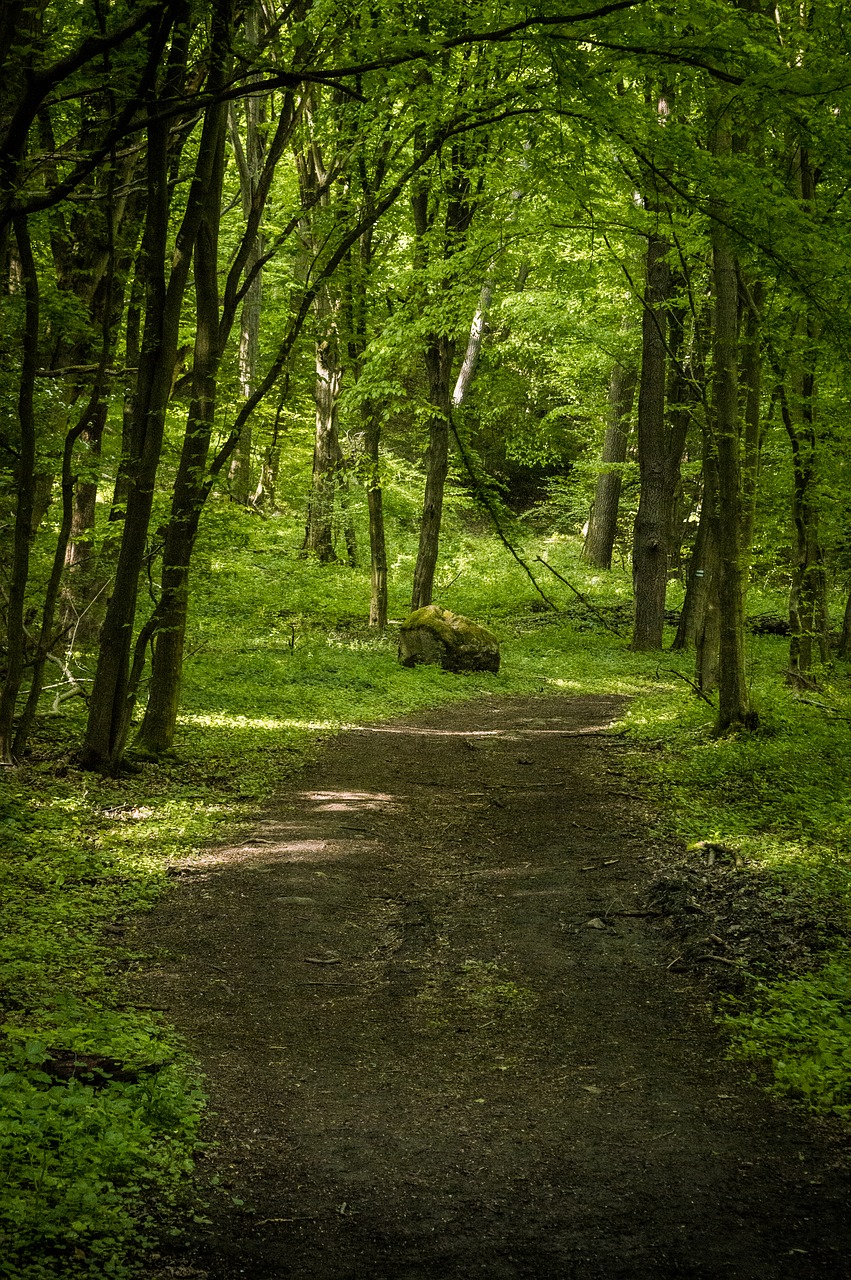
x,y
444,1039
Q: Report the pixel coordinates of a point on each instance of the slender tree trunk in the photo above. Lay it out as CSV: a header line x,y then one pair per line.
x,y
752,379
696,581
808,615
47,638
650,552
733,702
679,397
319,532
249,158
705,605
474,347
111,702
24,476
845,639
375,502
82,583
438,359
603,521
156,734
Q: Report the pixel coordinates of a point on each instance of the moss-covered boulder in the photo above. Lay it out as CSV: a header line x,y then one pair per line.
x,y
446,639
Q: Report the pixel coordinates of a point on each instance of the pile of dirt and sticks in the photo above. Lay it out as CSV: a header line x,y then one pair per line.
x,y
444,1038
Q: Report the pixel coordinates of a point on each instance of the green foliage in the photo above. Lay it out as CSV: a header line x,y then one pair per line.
x,y
803,1029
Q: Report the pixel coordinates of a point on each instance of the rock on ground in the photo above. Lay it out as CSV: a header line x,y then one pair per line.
x,y
434,635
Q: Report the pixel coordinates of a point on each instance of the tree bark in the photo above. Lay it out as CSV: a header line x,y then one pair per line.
x,y
474,347
650,549
24,476
808,616
845,639
378,542
111,702
695,583
249,159
603,521
704,617
156,734
752,379
733,703
327,454
438,359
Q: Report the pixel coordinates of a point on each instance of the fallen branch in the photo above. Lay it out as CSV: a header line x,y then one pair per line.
x,y
823,706
587,603
696,688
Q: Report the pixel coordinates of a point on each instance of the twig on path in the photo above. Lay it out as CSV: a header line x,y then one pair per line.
x,y
299,982
637,914
301,1217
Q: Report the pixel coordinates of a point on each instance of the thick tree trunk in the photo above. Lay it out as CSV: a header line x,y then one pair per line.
x,y
438,358
650,550
603,521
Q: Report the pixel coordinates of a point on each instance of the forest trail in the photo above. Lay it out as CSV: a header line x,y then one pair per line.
x,y
442,1043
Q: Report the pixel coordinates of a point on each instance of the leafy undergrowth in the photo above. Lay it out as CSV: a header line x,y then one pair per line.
x,y
769,811
99,1106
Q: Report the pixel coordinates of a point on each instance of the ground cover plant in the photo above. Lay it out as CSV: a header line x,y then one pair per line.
x,y
100,1104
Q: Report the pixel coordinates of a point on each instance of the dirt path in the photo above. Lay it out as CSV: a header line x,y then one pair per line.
x,y
440,1046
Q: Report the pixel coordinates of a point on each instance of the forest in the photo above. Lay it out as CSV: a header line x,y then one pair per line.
x,y
313,314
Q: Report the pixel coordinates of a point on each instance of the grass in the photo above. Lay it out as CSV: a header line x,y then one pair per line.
x,y
278,659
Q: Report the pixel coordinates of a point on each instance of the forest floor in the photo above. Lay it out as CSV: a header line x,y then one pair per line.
x,y
449,1031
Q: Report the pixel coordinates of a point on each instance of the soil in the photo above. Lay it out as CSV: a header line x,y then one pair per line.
x,y
446,1038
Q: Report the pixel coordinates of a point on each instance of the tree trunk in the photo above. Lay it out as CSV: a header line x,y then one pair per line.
x,y
24,476
603,521
704,606
680,397
752,379
156,734
650,552
83,584
249,159
438,358
845,639
733,703
696,582
111,702
327,454
808,616
474,347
